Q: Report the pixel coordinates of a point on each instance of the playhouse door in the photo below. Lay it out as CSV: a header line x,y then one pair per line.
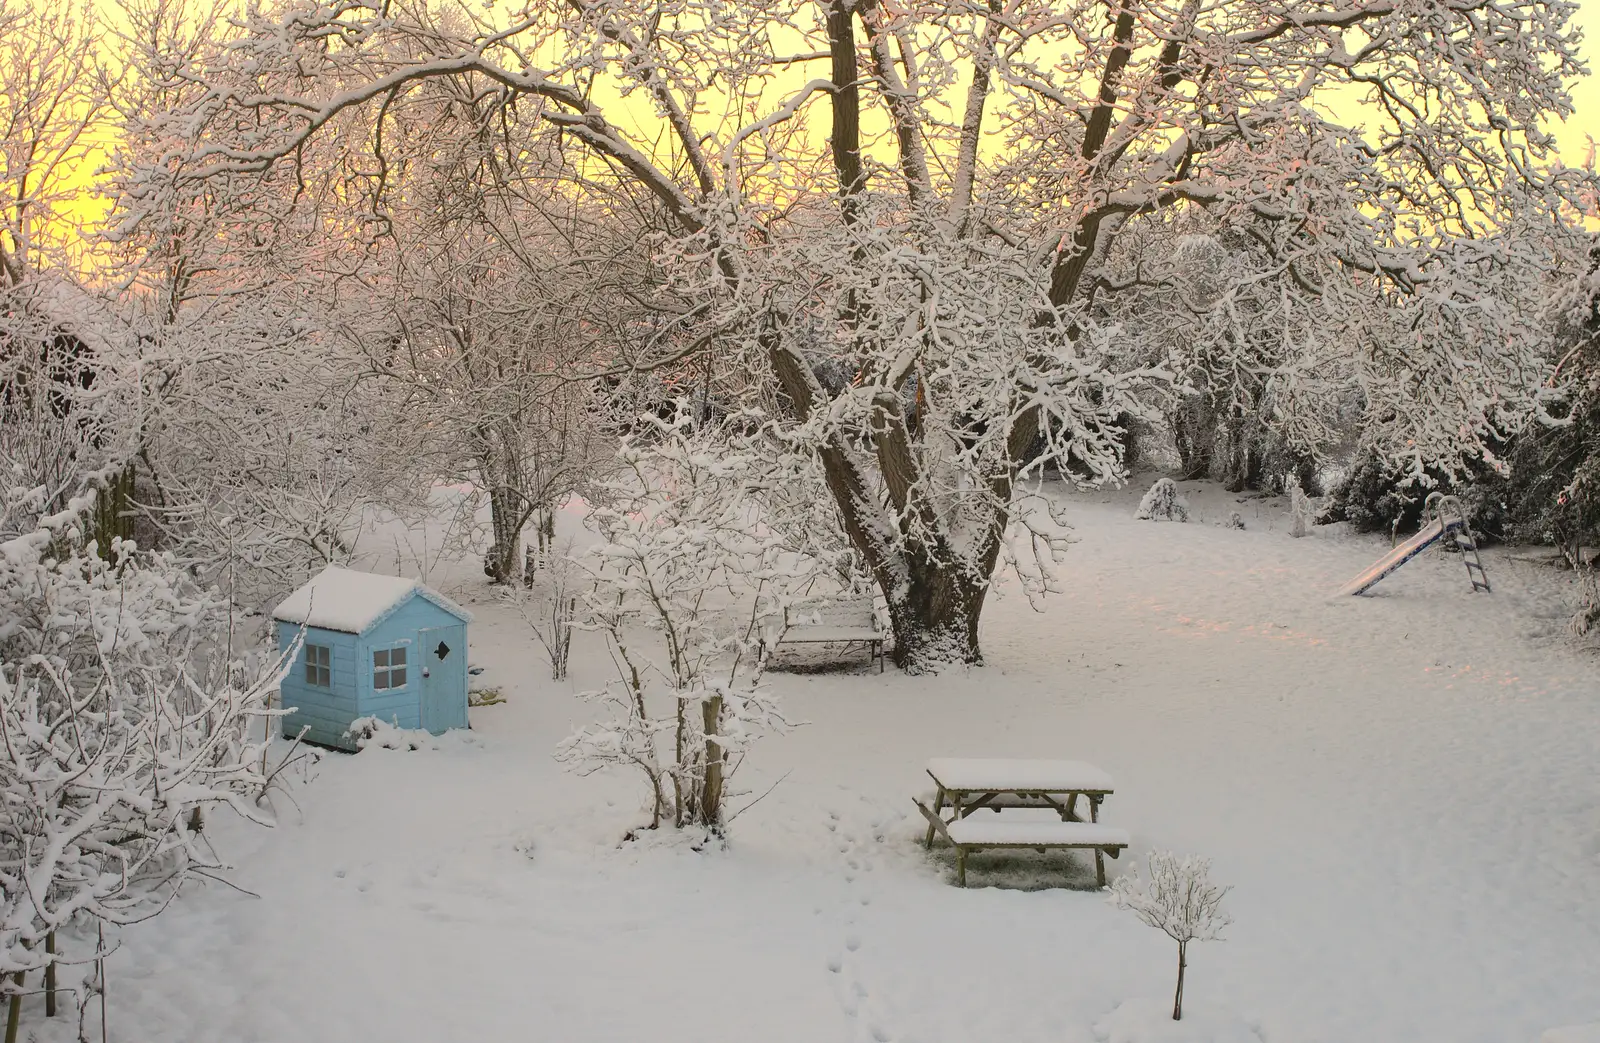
x,y
441,662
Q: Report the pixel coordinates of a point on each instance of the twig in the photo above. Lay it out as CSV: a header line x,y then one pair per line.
x,y
758,800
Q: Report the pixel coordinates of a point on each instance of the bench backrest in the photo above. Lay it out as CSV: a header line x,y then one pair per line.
x,y
854,612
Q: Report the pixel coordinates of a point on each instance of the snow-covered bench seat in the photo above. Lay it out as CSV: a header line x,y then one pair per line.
x,y
1009,831
843,621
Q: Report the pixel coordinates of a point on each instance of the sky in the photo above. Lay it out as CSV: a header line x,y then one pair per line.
x,y
1586,93
1573,135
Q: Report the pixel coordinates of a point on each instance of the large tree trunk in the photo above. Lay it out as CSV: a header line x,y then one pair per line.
x,y
935,597
1194,432
1240,460
935,622
113,511
506,512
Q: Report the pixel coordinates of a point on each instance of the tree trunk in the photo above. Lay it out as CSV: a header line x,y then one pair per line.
x,y
504,563
1194,436
936,622
1241,460
1177,1000
934,596
113,512
711,787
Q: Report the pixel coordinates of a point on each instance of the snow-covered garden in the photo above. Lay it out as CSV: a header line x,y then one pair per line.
x,y
1399,789
1036,520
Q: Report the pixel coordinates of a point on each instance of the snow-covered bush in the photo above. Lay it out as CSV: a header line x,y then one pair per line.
x,y
1179,899
125,713
689,586
1163,503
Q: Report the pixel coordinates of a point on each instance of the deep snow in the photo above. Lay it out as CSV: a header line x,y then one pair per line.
x,y
1401,789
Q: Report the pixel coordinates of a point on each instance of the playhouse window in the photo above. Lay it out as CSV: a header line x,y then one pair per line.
x,y
389,668
317,663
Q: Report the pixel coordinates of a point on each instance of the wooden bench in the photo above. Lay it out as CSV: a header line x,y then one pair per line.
x,y
967,835
846,621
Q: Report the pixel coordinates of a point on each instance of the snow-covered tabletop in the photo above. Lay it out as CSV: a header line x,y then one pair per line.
x,y
1000,774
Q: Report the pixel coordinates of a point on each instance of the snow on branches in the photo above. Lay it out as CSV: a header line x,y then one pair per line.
x,y
1177,899
124,716
937,319
126,711
689,586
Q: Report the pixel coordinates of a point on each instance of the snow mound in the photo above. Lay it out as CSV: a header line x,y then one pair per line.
x,y
371,733
1163,503
1150,1021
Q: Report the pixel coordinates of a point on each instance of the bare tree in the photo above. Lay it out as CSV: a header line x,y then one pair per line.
x,y
54,108
1178,899
505,283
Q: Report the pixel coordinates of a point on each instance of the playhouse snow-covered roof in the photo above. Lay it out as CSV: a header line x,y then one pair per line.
x,y
352,602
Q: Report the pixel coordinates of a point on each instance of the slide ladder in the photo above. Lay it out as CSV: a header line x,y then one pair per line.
x,y
1443,519
1448,510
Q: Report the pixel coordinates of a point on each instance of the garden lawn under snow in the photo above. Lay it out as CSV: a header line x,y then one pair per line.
x,y
1401,789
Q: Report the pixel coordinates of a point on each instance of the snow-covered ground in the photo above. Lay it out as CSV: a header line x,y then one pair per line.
x,y
1402,790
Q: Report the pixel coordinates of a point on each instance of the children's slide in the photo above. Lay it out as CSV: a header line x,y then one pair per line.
x,y
1426,537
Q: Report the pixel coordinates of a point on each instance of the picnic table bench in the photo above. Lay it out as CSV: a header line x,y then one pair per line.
x,y
967,785
845,621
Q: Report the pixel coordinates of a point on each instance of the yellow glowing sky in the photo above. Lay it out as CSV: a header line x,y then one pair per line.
x,y
1574,134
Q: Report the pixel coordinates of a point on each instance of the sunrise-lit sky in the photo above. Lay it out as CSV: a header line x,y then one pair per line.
x,y
1574,134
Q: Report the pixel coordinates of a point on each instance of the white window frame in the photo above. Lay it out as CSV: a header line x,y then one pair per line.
x,y
319,666
384,671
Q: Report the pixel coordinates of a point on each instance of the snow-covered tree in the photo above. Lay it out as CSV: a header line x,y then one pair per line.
x,y
127,711
508,290
54,104
950,268
689,588
1301,513
1177,899
248,320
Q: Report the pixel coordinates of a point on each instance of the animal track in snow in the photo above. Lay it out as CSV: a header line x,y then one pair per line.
x,y
859,831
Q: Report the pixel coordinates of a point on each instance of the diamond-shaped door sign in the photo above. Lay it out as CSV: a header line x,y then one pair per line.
x,y
442,651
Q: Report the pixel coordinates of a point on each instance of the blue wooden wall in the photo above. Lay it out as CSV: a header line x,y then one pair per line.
x,y
325,712
328,712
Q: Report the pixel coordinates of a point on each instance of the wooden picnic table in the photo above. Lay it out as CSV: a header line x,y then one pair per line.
x,y
966,785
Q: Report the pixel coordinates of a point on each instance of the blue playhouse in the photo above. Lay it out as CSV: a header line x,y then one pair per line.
x,y
374,646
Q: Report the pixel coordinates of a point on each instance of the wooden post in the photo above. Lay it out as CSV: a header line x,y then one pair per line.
x,y
961,866
1100,866
14,1015
938,808
50,976
711,795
